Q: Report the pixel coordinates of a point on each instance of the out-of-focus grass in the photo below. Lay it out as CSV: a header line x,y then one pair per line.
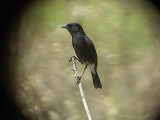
x,y
128,51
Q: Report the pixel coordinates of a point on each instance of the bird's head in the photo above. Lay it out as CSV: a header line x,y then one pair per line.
x,y
74,28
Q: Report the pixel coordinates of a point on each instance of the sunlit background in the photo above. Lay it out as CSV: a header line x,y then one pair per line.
x,y
126,37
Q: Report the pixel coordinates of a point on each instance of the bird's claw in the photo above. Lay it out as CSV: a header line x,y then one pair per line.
x,y
78,79
74,58
71,58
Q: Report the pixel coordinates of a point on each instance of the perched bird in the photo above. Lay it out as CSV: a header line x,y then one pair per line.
x,y
85,50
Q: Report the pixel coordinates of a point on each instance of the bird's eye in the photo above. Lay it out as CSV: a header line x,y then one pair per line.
x,y
74,28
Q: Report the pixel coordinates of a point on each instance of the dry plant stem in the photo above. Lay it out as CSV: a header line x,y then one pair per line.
x,y
80,88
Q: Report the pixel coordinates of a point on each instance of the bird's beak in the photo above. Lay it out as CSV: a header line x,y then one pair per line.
x,y
65,26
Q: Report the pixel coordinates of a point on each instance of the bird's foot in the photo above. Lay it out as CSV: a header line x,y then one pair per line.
x,y
74,57
78,79
71,58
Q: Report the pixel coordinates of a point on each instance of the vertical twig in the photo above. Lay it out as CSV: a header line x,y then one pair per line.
x,y
80,88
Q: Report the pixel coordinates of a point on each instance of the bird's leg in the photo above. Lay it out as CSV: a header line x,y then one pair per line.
x,y
74,58
79,78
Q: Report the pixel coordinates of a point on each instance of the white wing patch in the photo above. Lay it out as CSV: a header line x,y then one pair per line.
x,y
92,68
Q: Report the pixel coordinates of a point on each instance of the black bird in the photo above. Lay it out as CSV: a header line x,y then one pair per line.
x,y
85,50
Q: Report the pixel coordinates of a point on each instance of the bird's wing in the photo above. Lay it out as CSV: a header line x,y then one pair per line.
x,y
90,45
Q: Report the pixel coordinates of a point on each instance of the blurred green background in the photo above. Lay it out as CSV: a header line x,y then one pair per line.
x,y
126,36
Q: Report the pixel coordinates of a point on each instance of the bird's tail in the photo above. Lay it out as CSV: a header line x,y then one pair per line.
x,y
96,80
